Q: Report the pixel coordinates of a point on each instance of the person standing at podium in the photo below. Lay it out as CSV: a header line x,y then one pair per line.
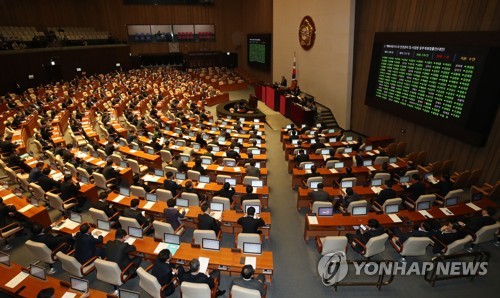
x,y
283,82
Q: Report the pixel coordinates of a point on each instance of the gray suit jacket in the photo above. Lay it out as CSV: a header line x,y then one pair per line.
x,y
319,195
252,284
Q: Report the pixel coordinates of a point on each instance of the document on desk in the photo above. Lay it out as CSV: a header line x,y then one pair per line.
x,y
473,206
33,162
251,261
11,195
69,224
394,165
118,198
162,245
345,154
334,171
149,205
216,214
446,211
203,264
308,171
313,220
237,169
69,295
220,168
16,280
130,240
150,178
97,232
370,168
132,151
376,189
99,163
26,208
395,218
425,213
370,153
325,157
201,185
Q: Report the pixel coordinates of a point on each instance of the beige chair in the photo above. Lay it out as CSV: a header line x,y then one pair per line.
x,y
246,237
247,180
255,202
381,208
383,176
381,159
127,222
207,158
9,231
40,252
198,235
83,173
137,191
116,158
161,228
223,200
73,267
96,214
38,193
318,204
163,194
101,182
412,247
110,273
136,168
352,205
221,178
197,290
166,156
23,182
170,169
455,193
192,198
374,246
71,168
310,180
331,163
150,284
486,233
241,292
410,173
423,198
455,246
193,175
57,203
331,244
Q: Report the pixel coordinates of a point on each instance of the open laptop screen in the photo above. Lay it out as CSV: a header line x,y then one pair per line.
x,y
159,172
185,158
338,165
204,179
367,163
211,244
231,181
123,164
314,184
182,202
257,208
103,225
346,184
404,179
79,284
4,259
229,163
125,191
376,182
348,150
135,232
75,217
476,197
451,202
217,206
257,183
122,293
325,151
206,161
308,166
151,197
171,238
252,248
392,208
361,210
38,272
84,179
368,148
423,205
180,176
325,211
150,151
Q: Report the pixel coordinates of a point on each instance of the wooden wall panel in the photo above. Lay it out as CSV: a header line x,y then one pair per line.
x,y
422,15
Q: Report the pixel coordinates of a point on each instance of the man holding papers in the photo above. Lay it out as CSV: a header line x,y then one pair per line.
x,y
172,214
207,222
195,276
118,251
86,245
249,223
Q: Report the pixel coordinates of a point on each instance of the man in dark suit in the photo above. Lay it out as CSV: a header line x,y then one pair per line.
x,y
374,229
449,233
348,174
207,222
195,276
247,281
109,148
7,146
163,272
350,197
231,153
319,195
424,230
101,204
252,170
416,189
249,195
69,189
109,172
132,212
227,191
47,183
14,160
301,156
475,223
249,223
170,184
198,167
172,215
36,172
444,185
387,193
86,245
118,251
52,242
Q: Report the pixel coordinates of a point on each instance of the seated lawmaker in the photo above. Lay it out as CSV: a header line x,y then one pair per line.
x,y
373,229
250,223
247,281
475,223
164,272
195,276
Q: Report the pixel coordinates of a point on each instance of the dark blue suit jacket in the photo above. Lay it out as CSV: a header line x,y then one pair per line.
x,y
85,246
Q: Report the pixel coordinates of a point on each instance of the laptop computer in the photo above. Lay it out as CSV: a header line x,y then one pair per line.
x,y
215,149
135,232
404,179
423,206
135,147
123,164
229,163
325,151
348,139
393,159
367,163
159,172
308,166
196,146
38,272
346,184
103,225
360,210
182,202
84,179
348,150
124,191
295,141
180,176
171,238
75,217
476,197
150,151
210,244
257,208
206,161
231,181
216,206
338,165
391,208
368,148
79,284
151,197
314,184
325,211
257,164
252,248
449,202
185,158
332,140
257,183
256,152
376,182
237,149
4,259
204,179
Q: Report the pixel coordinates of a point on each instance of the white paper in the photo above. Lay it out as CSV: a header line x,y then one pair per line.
x,y
334,171
33,162
148,205
102,162
201,185
161,246
69,295
11,195
251,261
204,166
254,190
446,211
130,240
425,213
345,154
132,151
376,189
220,168
118,198
395,218
370,153
325,157
103,233
93,158
69,224
17,280
313,220
394,165
216,214
203,264
376,151
237,169
371,168
26,208
473,206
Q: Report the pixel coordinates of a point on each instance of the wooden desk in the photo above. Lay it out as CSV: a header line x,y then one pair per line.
x,y
126,173
152,160
338,223
236,172
229,217
33,285
33,214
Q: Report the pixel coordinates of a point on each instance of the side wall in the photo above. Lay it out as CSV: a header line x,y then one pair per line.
x,y
422,15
